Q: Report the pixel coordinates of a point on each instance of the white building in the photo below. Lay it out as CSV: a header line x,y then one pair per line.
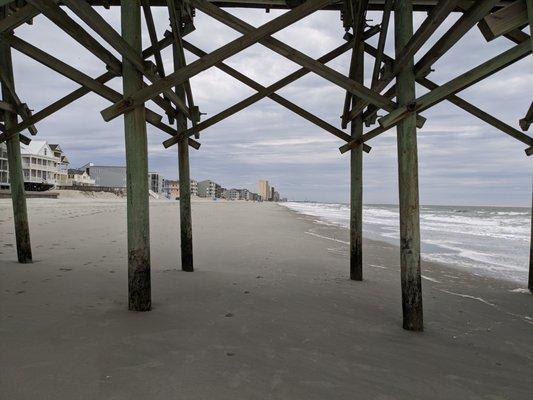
x,y
78,177
4,172
43,166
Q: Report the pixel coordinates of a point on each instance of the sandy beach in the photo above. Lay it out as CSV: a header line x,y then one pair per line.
x,y
269,313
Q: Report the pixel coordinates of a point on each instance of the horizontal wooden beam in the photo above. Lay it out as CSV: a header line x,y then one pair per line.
x,y
504,20
462,82
373,5
262,93
215,57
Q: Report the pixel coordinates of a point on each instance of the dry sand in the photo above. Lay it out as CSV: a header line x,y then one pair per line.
x,y
269,313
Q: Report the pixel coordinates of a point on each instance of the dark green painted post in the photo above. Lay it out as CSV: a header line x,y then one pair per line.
x,y
16,177
139,292
356,180
184,176
408,178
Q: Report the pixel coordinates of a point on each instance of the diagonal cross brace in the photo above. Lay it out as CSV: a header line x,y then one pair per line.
x,y
248,39
296,56
84,11
81,78
457,84
262,93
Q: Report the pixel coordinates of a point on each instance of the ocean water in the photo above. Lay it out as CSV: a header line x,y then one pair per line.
x,y
490,241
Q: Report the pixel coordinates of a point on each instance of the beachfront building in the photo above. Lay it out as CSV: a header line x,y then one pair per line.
x,y
194,188
63,166
171,189
42,167
155,182
209,189
264,190
78,177
4,171
106,175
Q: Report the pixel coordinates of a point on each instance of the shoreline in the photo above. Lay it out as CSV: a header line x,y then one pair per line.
x,y
269,312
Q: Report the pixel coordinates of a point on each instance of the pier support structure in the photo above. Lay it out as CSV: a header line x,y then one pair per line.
x,y
408,177
184,174
16,177
356,155
139,287
172,94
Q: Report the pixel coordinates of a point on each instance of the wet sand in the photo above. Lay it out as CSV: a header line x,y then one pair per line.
x,y
269,313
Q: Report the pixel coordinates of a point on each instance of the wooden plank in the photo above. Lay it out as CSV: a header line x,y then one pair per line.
x,y
139,283
7,107
277,98
16,177
525,122
356,177
504,20
106,31
233,47
408,178
19,17
530,18
186,239
456,85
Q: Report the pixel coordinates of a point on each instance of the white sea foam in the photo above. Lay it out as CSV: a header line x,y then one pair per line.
x,y
485,240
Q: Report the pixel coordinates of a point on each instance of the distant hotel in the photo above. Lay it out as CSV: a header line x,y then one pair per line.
x,y
268,193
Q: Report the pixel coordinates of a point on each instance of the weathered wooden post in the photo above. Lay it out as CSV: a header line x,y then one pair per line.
x,y
356,178
408,178
530,280
16,177
139,290
183,170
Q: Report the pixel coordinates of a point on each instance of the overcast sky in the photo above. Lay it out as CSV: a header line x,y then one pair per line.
x,y
462,159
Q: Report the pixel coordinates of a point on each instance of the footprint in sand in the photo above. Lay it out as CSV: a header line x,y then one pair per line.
x,y
65,269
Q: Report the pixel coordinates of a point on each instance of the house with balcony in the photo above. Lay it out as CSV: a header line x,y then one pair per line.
x,y
40,165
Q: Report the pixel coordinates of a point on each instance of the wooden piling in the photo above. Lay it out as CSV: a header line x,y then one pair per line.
x,y
139,291
16,177
530,280
184,174
408,178
356,179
